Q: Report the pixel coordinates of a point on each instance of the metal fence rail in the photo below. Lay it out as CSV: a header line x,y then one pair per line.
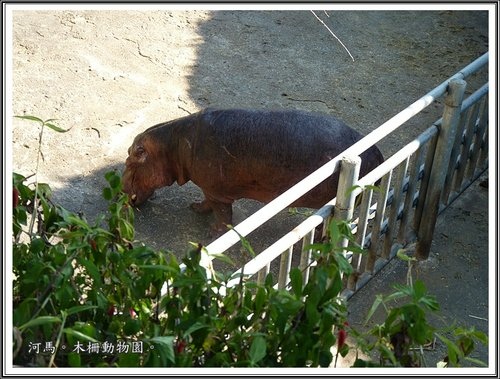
x,y
416,183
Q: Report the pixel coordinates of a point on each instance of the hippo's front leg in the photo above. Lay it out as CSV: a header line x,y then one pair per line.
x,y
202,207
223,216
223,213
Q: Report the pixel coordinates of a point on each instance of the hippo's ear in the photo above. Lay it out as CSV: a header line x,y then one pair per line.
x,y
140,153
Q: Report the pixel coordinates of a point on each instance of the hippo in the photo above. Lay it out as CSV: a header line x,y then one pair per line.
x,y
240,153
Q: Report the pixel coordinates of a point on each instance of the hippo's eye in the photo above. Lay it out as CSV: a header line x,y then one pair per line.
x,y
139,150
140,154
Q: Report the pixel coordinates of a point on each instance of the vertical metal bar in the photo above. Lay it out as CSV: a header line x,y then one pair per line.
x,y
360,237
393,215
305,256
478,140
364,216
446,137
424,184
484,151
379,220
464,155
285,266
403,234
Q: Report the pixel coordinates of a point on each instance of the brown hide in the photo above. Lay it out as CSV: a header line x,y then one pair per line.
x,y
236,153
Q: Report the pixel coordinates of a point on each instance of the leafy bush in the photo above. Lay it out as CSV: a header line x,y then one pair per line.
x,y
399,339
80,289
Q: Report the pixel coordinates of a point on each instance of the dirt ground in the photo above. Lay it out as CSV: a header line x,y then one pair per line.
x,y
108,75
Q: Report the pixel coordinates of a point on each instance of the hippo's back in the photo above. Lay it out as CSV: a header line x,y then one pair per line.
x,y
290,137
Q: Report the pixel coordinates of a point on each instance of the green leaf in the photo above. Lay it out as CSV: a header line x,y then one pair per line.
x,y
372,188
268,282
107,193
166,344
343,262
325,358
362,363
476,361
56,128
79,335
258,349
126,229
22,312
466,344
402,290
419,290
41,320
74,359
481,336
158,267
387,353
453,350
311,308
32,118
129,360
114,180
355,187
109,175
44,190
296,281
403,256
196,326
75,220
246,245
379,299
335,235
396,295
223,258
260,299
131,327
430,302
79,308
37,245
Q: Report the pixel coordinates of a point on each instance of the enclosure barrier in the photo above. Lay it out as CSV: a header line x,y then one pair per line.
x,y
416,184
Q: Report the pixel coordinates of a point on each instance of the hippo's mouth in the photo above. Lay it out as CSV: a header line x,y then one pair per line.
x,y
136,199
138,186
133,199
129,178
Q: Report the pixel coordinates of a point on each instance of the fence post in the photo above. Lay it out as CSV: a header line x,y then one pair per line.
x,y
344,205
437,175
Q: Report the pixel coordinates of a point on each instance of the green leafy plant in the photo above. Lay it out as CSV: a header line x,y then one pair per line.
x,y
79,282
80,286
47,123
399,339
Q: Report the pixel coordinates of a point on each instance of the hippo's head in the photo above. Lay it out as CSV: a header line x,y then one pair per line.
x,y
147,168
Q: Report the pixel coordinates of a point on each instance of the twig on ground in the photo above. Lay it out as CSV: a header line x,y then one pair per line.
x,y
333,34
